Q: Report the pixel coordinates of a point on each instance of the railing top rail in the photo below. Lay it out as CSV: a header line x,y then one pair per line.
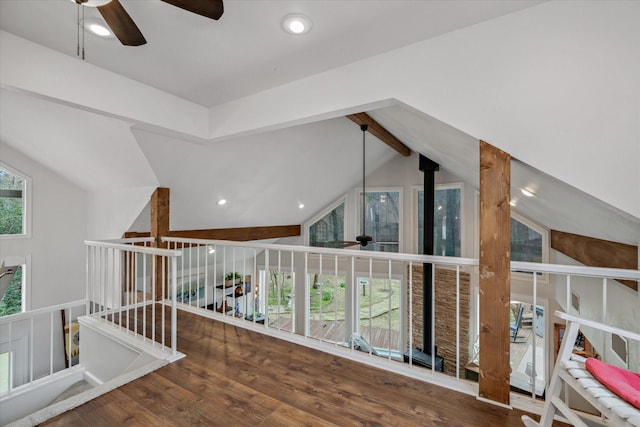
x,y
597,325
130,240
331,251
132,248
580,270
28,314
601,272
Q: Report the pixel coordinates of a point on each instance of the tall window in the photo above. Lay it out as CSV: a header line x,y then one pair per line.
x,y
12,202
11,291
382,220
328,231
447,221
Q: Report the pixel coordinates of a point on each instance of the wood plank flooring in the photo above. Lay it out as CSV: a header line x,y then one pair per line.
x,y
232,376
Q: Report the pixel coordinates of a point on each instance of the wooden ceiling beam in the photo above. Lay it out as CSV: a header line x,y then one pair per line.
x,y
597,252
377,130
240,234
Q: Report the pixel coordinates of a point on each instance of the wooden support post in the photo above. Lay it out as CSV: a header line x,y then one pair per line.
x,y
495,275
159,229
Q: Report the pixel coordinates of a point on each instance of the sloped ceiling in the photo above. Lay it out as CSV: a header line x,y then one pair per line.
x,y
557,205
264,177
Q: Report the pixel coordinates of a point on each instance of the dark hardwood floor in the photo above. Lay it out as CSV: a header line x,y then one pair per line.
x,y
232,376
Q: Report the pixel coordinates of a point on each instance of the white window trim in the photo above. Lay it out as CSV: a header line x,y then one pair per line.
x,y
26,211
317,217
414,212
358,213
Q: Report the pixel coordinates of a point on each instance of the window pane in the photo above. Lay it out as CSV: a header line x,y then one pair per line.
x,y
11,203
382,220
329,230
11,302
526,243
446,227
327,307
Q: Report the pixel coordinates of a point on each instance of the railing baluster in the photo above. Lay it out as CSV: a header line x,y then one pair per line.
x,y
433,318
533,336
457,322
51,343
165,282
335,306
320,296
11,354
174,310
389,334
31,351
293,297
153,300
410,313
144,299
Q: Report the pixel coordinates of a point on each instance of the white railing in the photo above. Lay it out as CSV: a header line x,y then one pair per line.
x,y
132,287
37,344
333,298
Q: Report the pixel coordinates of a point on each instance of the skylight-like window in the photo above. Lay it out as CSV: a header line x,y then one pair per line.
x,y
328,231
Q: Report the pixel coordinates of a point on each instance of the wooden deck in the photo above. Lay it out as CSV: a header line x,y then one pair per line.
x,y
335,332
233,376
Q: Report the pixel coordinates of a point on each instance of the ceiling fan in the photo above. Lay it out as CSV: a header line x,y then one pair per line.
x,y
363,239
126,30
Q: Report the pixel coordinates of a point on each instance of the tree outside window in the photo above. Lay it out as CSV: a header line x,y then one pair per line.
x,y
11,302
382,220
12,206
328,231
447,222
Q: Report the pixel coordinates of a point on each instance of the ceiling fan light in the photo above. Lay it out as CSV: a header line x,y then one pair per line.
x,y
297,24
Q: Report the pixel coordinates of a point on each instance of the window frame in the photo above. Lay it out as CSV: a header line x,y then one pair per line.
x,y
317,217
26,204
358,212
414,213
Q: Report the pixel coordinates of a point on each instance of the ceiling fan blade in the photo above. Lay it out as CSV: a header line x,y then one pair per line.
x,y
121,24
208,8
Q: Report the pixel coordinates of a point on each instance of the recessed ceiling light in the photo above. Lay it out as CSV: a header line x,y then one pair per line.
x,y
527,192
97,28
300,205
222,202
296,23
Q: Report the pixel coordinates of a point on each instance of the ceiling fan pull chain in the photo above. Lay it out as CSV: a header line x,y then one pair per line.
x,y
78,29
363,128
83,30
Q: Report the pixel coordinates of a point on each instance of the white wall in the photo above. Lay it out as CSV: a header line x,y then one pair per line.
x,y
112,212
55,248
